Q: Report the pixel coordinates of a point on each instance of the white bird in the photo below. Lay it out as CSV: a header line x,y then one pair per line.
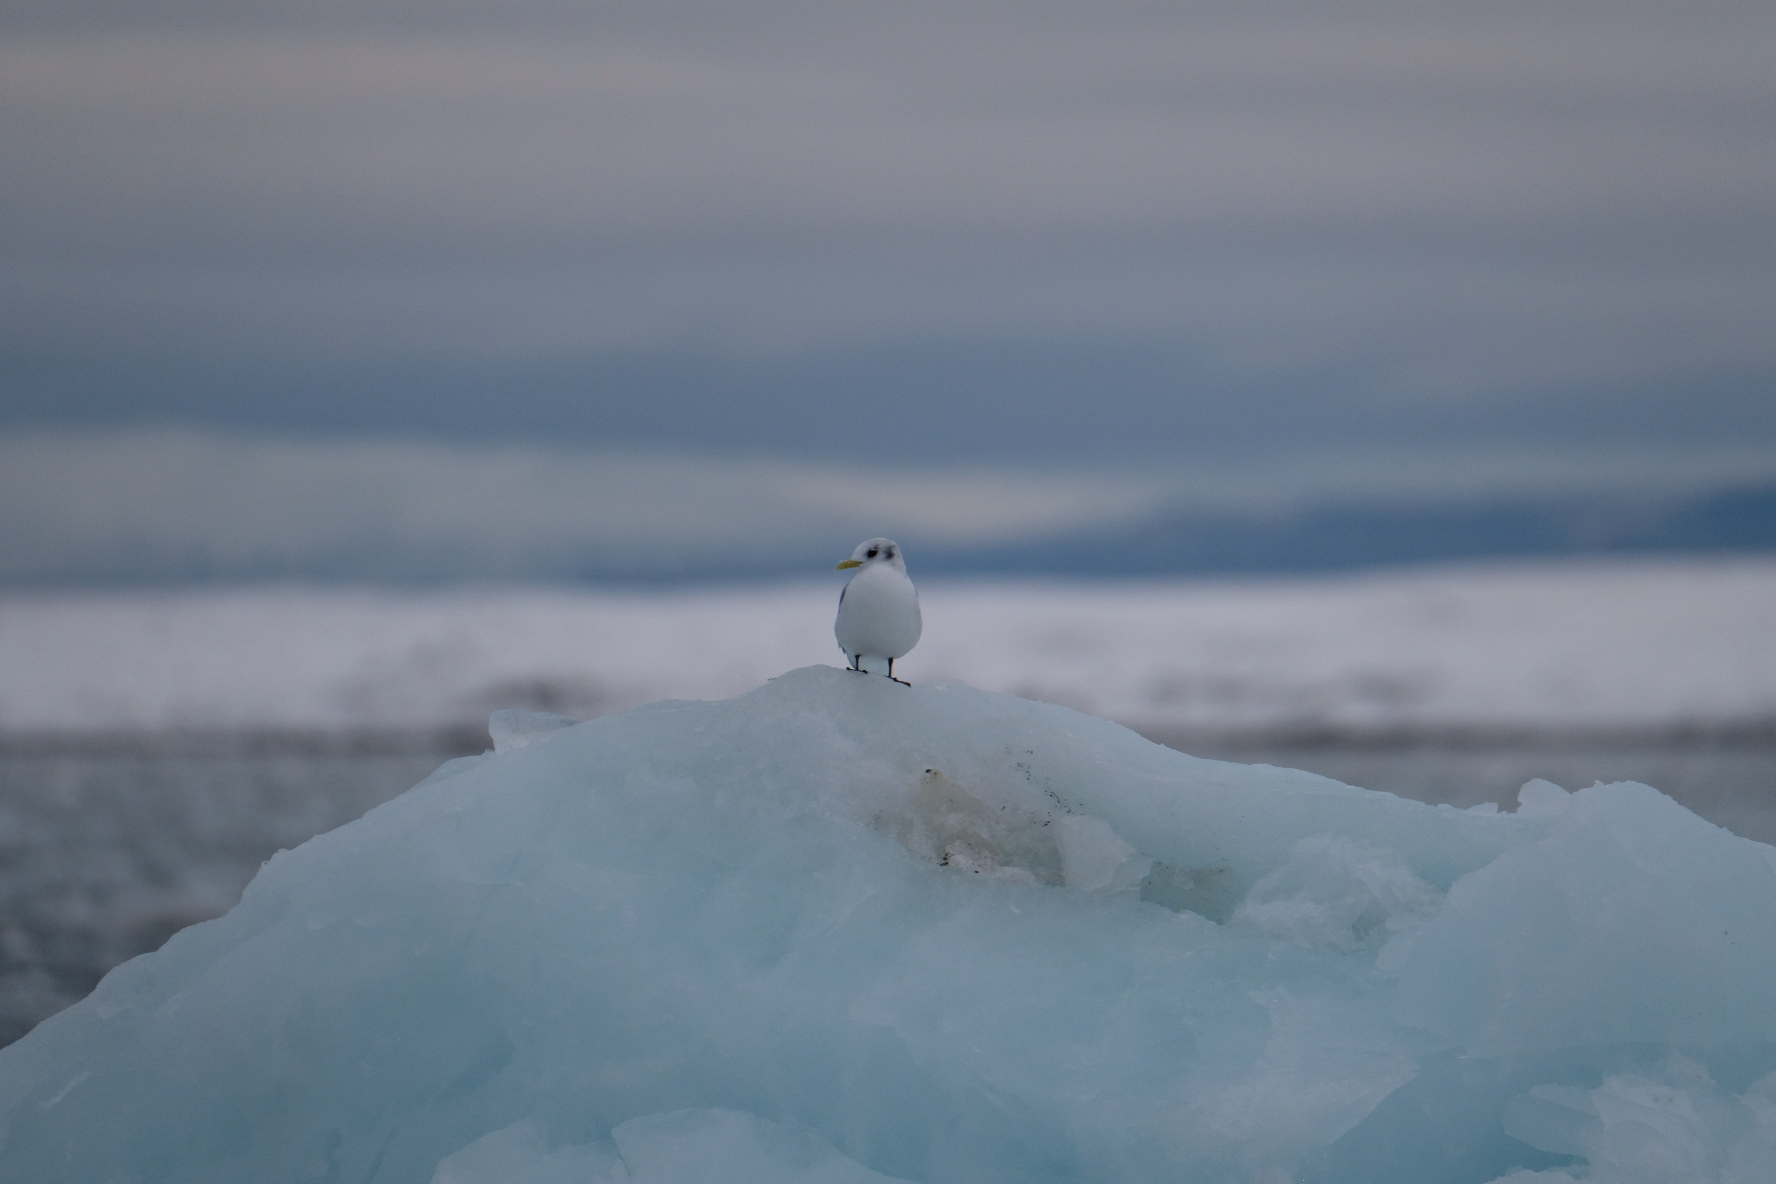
x,y
879,608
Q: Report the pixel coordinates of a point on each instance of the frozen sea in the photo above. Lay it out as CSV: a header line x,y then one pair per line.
x,y
155,749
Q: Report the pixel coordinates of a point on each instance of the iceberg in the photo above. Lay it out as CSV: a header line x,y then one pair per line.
x,y
840,929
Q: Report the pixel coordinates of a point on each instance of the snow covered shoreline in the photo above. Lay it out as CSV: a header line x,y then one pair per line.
x,y
1635,651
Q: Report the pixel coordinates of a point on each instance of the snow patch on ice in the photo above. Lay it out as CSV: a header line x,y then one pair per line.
x,y
952,826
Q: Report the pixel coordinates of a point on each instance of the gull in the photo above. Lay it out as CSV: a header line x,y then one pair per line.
x,y
879,608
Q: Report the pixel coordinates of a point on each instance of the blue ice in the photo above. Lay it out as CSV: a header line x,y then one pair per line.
x,y
843,930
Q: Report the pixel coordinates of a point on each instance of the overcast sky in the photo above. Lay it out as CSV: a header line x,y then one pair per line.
x,y
1091,236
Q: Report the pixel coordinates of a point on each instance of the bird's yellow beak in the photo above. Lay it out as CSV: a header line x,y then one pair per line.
x,y
849,563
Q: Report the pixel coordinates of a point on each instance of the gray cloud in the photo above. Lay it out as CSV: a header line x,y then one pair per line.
x,y
170,506
174,505
1508,198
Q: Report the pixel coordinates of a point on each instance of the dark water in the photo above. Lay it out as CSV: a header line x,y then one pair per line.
x,y
104,856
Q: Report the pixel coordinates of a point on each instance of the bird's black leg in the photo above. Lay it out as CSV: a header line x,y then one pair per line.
x,y
855,659
903,682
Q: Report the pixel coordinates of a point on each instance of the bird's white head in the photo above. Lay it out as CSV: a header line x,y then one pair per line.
x,y
874,551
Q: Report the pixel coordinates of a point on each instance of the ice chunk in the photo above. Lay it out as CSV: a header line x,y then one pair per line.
x,y
683,1147
726,1147
1094,858
1670,1125
1540,796
514,727
520,1154
1339,893
747,939
1631,921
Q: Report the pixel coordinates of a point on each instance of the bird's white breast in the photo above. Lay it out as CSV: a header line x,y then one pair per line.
x,y
879,614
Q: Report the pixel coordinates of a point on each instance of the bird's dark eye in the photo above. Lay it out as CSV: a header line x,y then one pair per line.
x,y
872,553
